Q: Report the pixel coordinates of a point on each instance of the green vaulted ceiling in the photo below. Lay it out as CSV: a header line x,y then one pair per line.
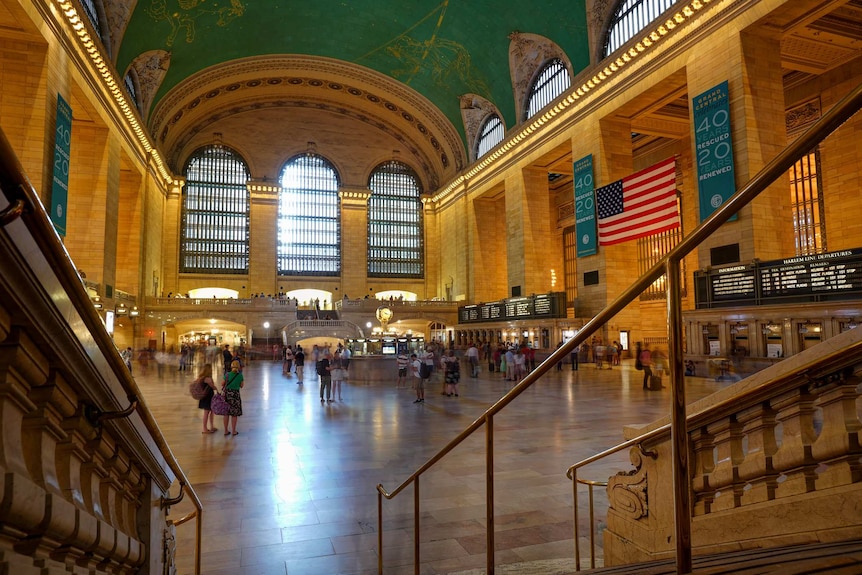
x,y
439,49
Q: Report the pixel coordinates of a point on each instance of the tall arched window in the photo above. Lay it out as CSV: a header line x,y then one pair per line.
x,y
395,246
215,213
551,81
490,135
130,82
630,17
309,218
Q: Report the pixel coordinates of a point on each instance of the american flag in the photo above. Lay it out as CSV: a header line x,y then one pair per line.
x,y
639,205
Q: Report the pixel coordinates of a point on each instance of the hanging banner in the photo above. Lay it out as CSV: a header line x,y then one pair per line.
x,y
585,207
60,179
715,181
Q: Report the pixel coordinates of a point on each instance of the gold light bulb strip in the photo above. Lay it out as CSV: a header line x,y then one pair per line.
x,y
646,42
109,81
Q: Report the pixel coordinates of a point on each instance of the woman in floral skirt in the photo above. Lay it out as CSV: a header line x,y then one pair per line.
x,y
233,382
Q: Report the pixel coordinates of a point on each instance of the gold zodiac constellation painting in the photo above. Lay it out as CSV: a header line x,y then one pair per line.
x,y
445,61
188,11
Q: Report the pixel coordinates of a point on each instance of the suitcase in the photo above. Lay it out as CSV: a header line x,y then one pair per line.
x,y
655,382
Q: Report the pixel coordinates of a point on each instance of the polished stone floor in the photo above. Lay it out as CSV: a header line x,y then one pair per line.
x,y
294,492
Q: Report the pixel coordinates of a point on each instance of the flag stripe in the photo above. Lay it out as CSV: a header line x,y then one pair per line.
x,y
639,205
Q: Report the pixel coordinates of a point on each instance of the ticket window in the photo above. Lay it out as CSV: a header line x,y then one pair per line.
x,y
740,346
773,341
810,334
711,342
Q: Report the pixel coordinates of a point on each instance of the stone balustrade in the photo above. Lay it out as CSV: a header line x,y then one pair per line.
x,y
775,459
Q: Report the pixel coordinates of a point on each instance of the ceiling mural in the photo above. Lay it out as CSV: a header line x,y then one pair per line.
x,y
440,49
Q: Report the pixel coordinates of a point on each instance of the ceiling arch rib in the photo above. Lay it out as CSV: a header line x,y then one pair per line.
x,y
379,102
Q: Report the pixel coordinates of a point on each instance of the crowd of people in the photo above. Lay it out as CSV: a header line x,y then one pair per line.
x,y
328,366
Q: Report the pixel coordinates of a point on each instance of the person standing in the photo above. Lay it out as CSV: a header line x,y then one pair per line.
x,y
419,384
287,364
323,370
299,360
205,403
227,357
127,358
473,357
346,354
337,372
645,358
452,370
403,363
233,382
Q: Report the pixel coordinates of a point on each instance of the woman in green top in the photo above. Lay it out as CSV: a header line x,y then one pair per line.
x,y
233,382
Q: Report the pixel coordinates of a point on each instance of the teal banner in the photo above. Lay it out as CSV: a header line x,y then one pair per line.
x,y
715,182
585,207
60,181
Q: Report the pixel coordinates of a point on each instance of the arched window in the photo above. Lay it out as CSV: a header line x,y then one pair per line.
x,y
309,218
630,17
550,83
94,9
490,135
215,213
395,246
131,85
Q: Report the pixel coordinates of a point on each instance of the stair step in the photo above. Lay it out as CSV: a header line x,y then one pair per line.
x,y
839,558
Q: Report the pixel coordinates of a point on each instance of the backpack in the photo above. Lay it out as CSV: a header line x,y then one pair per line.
x,y
198,389
424,370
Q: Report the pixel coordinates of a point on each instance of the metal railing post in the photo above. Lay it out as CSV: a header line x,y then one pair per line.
x,y
489,492
678,428
577,530
379,533
416,526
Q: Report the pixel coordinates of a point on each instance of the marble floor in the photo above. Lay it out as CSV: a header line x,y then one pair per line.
x,y
294,492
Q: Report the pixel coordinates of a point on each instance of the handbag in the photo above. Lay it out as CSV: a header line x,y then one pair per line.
x,y
198,389
218,405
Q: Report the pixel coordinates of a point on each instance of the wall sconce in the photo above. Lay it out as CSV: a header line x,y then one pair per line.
x,y
803,328
121,309
134,312
705,330
852,324
734,330
766,330
97,302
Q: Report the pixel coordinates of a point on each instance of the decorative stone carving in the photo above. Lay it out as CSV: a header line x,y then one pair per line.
x,y
169,550
151,68
527,54
118,13
474,111
627,490
799,117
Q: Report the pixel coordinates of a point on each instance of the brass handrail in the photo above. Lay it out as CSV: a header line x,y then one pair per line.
x,y
17,186
670,265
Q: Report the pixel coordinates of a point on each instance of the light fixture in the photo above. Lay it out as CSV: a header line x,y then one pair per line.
x,y
97,302
121,309
733,330
134,312
803,328
852,324
705,330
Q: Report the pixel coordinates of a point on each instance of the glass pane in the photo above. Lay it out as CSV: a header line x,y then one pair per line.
x,y
551,82
215,213
395,246
309,218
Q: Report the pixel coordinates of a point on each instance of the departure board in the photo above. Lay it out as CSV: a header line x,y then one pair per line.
x,y
819,277
542,305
